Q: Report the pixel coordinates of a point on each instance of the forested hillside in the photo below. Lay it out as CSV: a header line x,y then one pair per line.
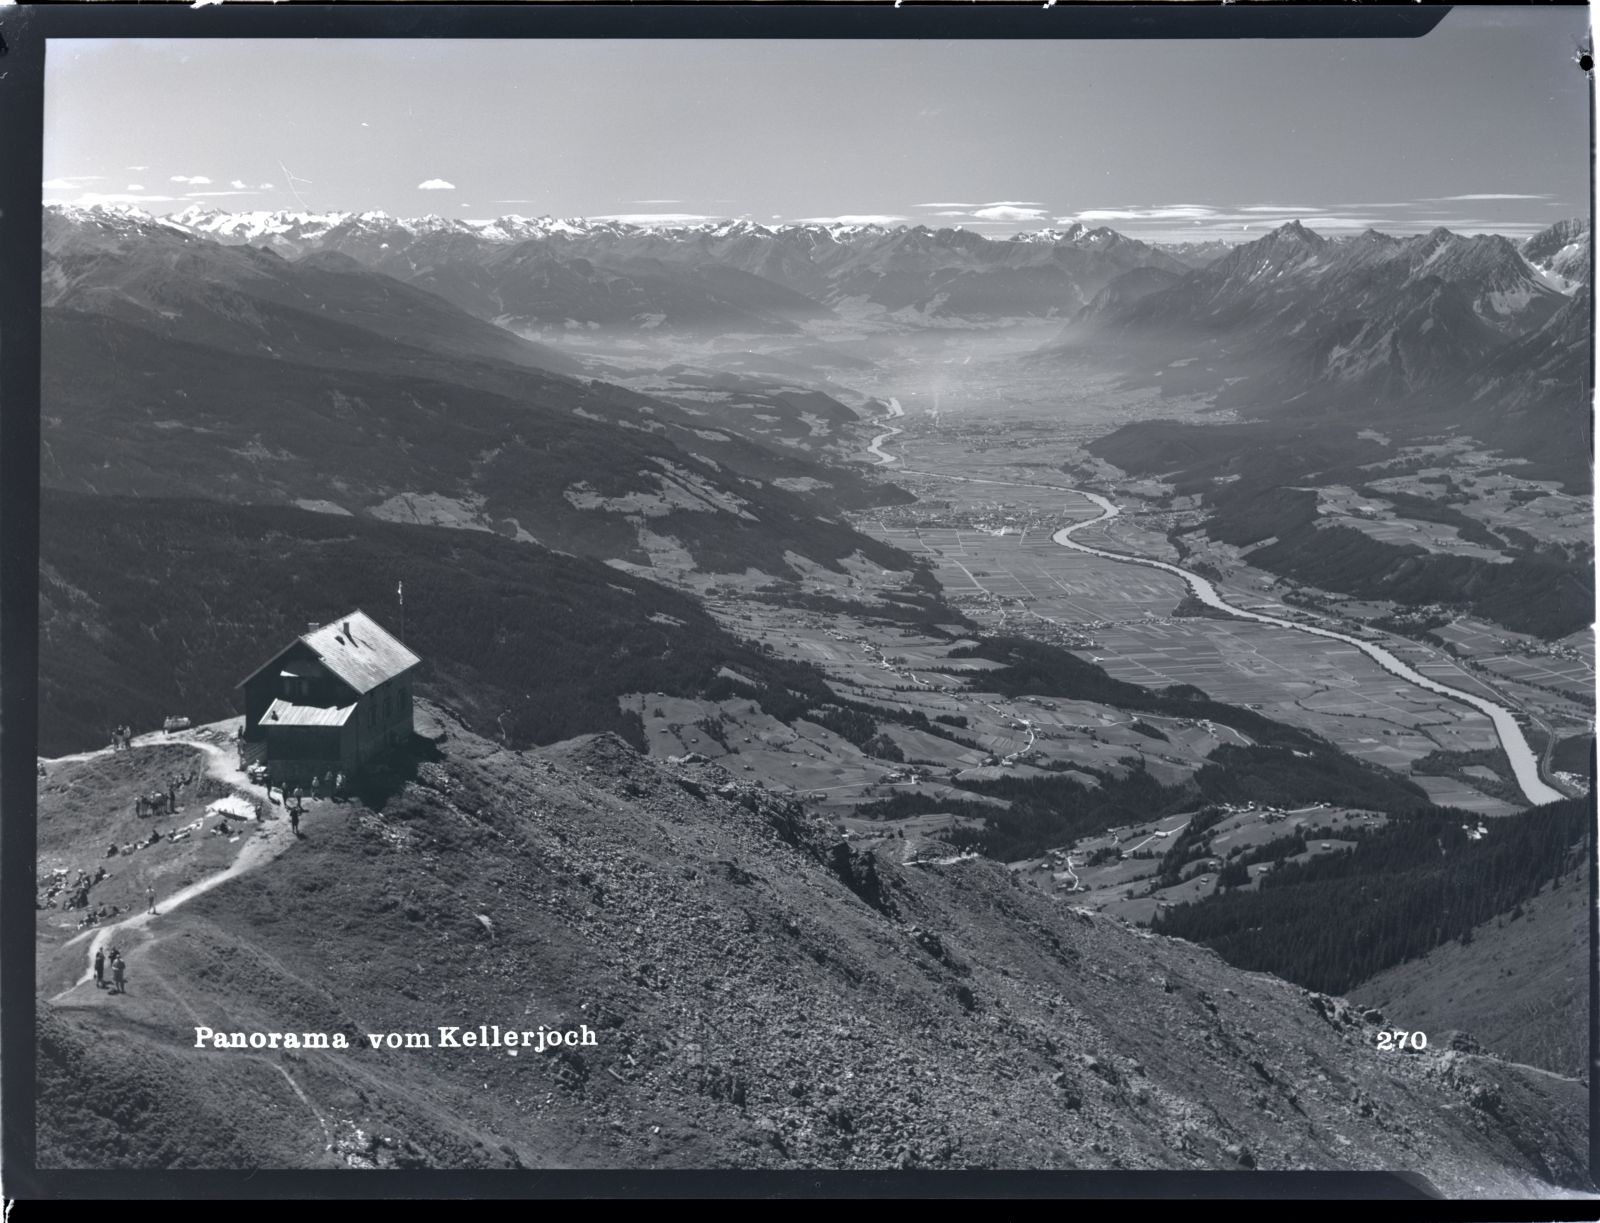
x,y
1419,881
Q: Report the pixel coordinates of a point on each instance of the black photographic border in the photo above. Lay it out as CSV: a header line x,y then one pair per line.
x,y
24,33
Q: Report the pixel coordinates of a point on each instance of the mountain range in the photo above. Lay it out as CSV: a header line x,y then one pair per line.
x,y
1295,324
540,273
177,365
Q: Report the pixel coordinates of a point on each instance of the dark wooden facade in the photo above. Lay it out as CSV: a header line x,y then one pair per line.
x,y
331,700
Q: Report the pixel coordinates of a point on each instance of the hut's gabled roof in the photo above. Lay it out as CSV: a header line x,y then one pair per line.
x,y
356,649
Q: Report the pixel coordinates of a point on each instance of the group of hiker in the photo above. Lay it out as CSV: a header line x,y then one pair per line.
x,y
74,895
164,801
121,738
322,785
119,971
329,785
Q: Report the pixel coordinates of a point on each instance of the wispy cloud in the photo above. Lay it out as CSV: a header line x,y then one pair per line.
x,y
71,182
194,180
1487,195
136,169
862,219
657,218
1166,212
435,184
237,184
1013,204
134,187
266,187
1009,212
201,195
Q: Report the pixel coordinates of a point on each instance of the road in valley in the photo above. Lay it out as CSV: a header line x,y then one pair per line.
x,y
1524,763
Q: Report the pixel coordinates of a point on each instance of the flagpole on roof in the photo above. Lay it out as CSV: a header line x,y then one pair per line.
x,y
400,593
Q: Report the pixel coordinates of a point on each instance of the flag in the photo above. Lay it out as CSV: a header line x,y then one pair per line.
x,y
400,591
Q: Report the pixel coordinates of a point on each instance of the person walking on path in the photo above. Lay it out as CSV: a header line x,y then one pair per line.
x,y
100,968
294,820
118,972
150,897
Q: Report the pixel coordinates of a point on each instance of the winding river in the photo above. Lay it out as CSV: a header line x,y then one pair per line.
x,y
1524,763
884,457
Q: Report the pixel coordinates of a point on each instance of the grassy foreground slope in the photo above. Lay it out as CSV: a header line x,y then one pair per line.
x,y
763,995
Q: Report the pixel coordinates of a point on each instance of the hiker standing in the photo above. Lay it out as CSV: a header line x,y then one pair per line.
x,y
172,797
118,972
294,820
150,898
100,968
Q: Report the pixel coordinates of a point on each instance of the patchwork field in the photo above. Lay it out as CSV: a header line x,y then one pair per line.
x,y
1122,616
1123,883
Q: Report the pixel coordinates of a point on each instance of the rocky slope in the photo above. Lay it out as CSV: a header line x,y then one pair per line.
x,y
1562,250
763,996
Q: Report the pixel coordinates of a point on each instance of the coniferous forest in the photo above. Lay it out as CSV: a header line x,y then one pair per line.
x,y
1406,887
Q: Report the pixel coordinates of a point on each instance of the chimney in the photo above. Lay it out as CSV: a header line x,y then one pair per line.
x,y
312,626
346,627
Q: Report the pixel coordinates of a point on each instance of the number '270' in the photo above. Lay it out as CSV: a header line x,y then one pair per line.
x,y
1402,1040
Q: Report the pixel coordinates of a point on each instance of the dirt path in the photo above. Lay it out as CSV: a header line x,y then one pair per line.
x,y
264,845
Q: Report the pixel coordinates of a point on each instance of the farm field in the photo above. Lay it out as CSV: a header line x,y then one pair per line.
x,y
1122,616
878,665
1121,884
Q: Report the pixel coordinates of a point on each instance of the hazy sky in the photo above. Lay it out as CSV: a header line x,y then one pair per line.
x,y
1481,125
